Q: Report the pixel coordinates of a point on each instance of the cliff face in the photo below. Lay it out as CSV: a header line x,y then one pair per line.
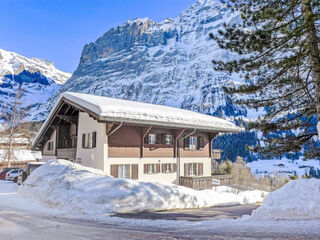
x,y
164,63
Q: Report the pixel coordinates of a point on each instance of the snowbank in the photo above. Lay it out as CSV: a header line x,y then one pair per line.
x,y
81,189
297,200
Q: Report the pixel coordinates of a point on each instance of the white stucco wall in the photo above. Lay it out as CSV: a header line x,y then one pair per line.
x,y
93,157
52,152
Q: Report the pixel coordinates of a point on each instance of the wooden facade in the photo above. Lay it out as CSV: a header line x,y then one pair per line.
x,y
130,141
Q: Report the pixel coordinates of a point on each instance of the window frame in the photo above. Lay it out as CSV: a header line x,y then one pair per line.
x,y
125,170
88,139
170,168
50,146
152,136
151,168
171,139
193,146
194,168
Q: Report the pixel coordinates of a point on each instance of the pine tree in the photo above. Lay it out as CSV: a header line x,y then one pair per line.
x,y
279,47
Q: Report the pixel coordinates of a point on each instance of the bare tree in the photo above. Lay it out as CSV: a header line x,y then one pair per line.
x,y
12,115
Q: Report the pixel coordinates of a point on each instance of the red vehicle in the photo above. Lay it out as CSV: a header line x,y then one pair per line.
x,y
4,171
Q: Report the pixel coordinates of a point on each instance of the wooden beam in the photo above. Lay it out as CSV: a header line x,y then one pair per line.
x,y
109,127
211,137
144,132
67,118
178,134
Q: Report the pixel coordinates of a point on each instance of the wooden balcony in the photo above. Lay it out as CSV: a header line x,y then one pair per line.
x,y
67,153
197,183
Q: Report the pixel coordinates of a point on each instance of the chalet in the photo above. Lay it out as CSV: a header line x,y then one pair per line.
x,y
128,139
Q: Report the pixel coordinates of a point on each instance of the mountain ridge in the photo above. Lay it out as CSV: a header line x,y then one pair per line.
x,y
38,78
165,63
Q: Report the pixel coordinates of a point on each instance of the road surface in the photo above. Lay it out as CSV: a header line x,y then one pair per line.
x,y
21,218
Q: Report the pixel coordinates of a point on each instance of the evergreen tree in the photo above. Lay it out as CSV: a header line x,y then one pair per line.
x,y
279,47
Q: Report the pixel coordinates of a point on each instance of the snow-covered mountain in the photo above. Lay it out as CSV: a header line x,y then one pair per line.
x,y
39,79
164,63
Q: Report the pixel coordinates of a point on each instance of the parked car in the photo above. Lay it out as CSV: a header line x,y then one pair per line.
x,y
13,175
29,169
4,172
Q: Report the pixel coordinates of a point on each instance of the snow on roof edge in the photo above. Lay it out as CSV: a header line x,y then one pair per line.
x,y
132,111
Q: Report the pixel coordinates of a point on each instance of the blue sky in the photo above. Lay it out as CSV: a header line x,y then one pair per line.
x,y
57,30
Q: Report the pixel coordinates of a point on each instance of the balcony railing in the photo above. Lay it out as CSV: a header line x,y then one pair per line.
x,y
196,182
67,153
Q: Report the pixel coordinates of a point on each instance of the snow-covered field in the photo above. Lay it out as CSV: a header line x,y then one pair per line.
x,y
89,191
283,167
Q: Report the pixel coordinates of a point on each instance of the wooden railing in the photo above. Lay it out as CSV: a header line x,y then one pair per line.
x,y
224,179
196,182
67,153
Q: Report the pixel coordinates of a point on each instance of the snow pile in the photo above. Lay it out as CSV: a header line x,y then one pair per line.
x,y
86,190
297,200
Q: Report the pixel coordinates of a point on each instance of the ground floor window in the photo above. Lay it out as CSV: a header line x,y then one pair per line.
x,y
151,168
169,167
124,171
193,169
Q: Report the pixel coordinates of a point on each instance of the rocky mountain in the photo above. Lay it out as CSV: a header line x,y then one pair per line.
x,y
164,63
39,79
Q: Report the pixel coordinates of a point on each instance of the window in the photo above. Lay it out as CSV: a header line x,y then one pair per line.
x,y
152,139
151,168
169,139
89,140
193,169
193,143
169,167
50,146
124,171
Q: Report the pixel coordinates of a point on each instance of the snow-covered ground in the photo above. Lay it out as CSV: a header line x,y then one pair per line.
x,y
283,167
89,191
30,219
21,155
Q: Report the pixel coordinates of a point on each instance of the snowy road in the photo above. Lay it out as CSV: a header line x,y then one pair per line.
x,y
21,218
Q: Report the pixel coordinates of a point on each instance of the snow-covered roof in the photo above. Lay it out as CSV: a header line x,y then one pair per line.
x,y
131,111
119,110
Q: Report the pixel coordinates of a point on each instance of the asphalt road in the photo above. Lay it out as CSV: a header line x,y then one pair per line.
x,y
22,225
